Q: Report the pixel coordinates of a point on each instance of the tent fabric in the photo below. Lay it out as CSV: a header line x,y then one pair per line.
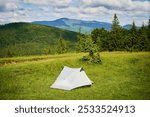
x,y
71,78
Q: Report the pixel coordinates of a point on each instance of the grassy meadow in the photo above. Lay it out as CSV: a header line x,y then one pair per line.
x,y
120,76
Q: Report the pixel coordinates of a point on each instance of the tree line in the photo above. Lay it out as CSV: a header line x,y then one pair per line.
x,y
116,39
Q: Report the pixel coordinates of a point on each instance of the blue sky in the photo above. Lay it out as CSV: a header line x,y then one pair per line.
x,y
100,10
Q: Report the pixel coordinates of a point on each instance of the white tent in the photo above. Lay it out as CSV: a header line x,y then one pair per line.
x,y
71,78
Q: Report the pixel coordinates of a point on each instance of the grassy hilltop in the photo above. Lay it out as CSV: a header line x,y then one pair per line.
x,y
121,75
21,39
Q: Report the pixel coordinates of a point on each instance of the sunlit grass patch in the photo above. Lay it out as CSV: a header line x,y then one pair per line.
x,y
121,75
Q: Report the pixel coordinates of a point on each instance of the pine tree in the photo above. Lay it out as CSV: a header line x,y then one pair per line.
x,y
99,36
95,35
133,37
142,38
90,46
149,26
86,44
115,23
62,46
115,35
80,46
148,34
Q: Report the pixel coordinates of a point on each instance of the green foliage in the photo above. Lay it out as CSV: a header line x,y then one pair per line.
x,y
62,46
86,44
49,50
133,37
143,43
119,39
148,35
99,36
94,59
32,39
10,53
115,35
96,33
90,47
79,43
115,23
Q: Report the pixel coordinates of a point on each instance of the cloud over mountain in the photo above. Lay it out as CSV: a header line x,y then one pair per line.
x,y
101,10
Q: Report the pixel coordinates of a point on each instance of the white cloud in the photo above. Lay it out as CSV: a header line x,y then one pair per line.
x,y
54,3
101,10
8,5
127,10
117,4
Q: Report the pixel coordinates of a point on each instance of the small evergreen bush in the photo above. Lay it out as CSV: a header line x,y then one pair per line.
x,y
94,59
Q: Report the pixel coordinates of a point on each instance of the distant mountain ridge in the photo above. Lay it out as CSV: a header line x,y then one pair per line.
x,y
74,24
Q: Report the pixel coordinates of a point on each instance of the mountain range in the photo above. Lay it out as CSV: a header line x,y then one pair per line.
x,y
74,24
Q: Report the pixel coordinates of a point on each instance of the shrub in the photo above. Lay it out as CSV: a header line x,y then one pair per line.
x,y
94,59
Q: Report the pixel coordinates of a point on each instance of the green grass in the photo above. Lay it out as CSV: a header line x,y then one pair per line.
x,y
121,75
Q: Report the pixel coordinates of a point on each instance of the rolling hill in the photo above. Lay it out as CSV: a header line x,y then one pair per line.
x,y
74,24
20,39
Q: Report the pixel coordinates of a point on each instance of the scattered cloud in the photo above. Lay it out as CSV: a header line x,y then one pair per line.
x,y
101,10
54,3
8,5
117,4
